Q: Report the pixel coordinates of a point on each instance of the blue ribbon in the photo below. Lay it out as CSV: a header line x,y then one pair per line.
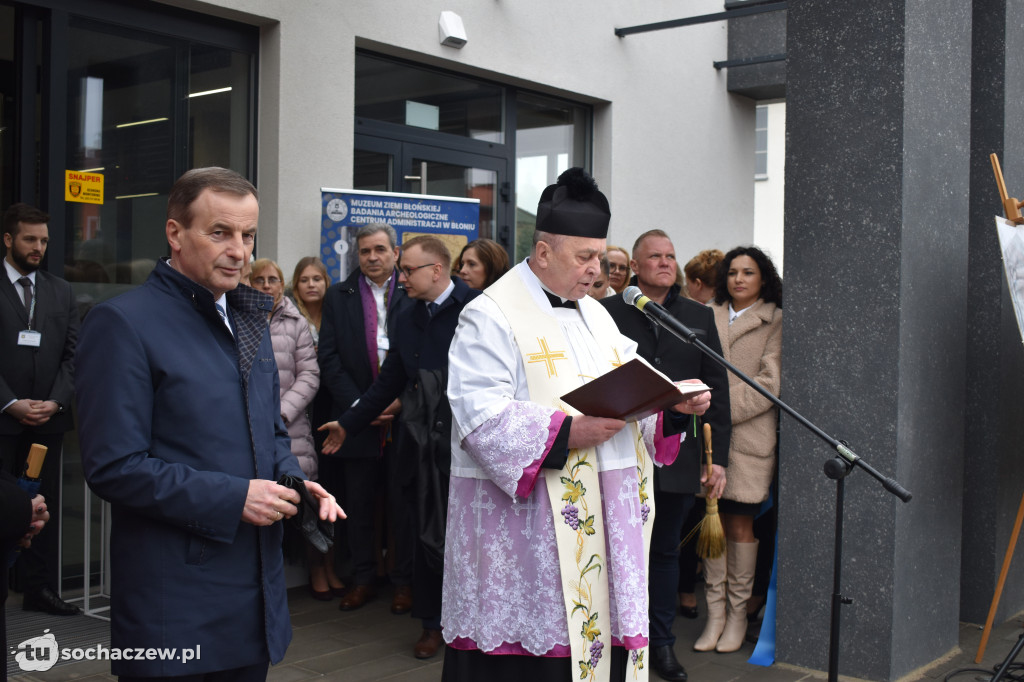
x,y
764,652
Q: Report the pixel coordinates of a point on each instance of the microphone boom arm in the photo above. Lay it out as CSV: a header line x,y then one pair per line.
x,y
687,335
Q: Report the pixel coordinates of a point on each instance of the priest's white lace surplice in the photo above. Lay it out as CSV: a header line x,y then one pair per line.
x,y
501,575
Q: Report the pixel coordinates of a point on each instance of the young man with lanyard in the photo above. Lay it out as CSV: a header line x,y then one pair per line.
x,y
39,321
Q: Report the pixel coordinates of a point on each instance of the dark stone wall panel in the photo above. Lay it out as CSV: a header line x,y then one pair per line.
x,y
874,344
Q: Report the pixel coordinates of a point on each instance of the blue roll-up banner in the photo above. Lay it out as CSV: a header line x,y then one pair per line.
x,y
455,221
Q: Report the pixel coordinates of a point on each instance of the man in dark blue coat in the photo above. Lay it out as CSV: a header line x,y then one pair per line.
x,y
654,261
416,368
181,431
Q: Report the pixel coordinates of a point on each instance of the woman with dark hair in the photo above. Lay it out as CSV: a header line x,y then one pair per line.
x,y
702,275
748,316
481,263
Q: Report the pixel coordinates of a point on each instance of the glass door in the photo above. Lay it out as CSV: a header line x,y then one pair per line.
x,y
121,118
426,175
423,169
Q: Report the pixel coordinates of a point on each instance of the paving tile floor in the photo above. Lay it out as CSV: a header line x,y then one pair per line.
x,y
372,644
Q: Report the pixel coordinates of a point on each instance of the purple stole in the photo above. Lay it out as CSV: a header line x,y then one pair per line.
x,y
370,318
370,328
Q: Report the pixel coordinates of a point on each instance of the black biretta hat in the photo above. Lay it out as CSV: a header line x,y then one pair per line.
x,y
574,206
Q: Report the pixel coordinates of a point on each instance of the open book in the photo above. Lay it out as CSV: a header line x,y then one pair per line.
x,y
630,392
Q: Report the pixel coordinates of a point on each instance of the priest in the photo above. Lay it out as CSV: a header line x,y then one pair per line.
x,y
550,511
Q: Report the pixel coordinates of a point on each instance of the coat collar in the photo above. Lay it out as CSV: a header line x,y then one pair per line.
x,y
249,310
760,313
459,296
673,291
242,299
351,283
287,308
462,291
15,298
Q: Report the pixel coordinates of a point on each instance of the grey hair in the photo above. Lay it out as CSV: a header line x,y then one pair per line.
x,y
373,228
555,240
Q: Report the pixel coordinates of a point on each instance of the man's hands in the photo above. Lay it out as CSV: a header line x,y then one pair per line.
x,y
586,432
268,502
337,434
32,412
388,415
335,438
329,509
697,404
39,518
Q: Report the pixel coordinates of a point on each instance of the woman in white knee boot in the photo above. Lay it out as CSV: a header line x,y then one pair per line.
x,y
748,315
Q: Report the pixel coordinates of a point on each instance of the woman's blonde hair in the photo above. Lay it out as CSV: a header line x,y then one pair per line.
x,y
304,263
261,264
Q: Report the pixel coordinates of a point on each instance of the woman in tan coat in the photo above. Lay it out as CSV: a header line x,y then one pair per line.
x,y
748,315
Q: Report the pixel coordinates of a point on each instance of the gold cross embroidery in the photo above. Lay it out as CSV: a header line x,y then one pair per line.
x,y
618,361
547,357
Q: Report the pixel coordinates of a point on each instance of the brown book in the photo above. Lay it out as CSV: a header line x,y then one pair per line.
x,y
630,392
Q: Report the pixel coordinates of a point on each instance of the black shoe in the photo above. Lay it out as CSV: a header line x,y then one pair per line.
x,y
690,612
665,664
46,600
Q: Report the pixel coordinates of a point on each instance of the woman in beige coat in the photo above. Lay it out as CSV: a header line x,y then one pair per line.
x,y
748,315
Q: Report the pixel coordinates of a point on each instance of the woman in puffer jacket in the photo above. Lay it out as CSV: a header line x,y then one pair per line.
x,y
296,362
300,378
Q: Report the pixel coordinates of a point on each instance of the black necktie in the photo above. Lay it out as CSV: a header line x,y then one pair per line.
x,y
432,308
557,302
26,284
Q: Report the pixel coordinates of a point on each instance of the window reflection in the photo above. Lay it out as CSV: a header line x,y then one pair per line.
x,y
218,107
127,108
120,126
452,180
551,136
401,93
371,171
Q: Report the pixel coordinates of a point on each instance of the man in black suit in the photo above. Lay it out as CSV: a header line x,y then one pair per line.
x,y
654,261
353,344
417,370
38,331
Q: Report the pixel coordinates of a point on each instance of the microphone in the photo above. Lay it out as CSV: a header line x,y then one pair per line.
x,y
29,481
634,297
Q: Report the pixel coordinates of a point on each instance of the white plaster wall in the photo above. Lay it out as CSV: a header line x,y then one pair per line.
x,y
672,149
769,194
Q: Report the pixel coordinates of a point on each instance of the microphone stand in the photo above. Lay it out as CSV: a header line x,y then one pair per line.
x,y
836,468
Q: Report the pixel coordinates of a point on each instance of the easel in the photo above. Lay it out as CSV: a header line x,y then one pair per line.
x,y
1012,208
1010,205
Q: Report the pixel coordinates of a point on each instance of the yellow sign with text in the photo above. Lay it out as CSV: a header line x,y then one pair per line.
x,y
86,188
